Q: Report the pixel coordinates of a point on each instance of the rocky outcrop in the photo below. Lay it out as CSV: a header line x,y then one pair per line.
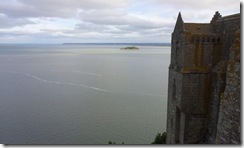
x,y
130,48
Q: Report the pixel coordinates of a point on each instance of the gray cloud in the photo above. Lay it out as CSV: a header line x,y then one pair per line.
x,y
121,22
16,12
199,5
102,20
202,11
118,17
86,26
54,8
8,22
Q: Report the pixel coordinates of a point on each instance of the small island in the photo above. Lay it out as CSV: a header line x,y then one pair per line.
x,y
130,48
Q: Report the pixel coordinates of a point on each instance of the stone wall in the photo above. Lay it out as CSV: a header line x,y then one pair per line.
x,y
204,83
224,107
175,82
217,87
202,51
229,127
177,51
195,93
226,27
195,129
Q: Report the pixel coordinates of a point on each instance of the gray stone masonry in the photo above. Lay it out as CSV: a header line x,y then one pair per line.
x,y
204,82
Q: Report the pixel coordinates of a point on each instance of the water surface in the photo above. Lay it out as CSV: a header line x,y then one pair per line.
x,y
82,94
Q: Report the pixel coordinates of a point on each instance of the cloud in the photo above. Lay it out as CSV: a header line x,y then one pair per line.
x,y
86,26
8,22
122,23
196,5
17,12
193,10
54,8
118,17
102,20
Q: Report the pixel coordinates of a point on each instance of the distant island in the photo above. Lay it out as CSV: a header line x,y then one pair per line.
x,y
130,48
121,44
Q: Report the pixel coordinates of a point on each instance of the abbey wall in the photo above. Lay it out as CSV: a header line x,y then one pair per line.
x,y
204,82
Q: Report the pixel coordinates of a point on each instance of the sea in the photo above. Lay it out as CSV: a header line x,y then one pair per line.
x,y
82,93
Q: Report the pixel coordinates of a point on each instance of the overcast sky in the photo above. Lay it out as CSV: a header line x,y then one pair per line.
x,y
99,21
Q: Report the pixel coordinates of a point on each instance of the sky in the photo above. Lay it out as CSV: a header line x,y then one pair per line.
x,y
102,21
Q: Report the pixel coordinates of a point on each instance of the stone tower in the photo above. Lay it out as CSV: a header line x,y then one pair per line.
x,y
196,49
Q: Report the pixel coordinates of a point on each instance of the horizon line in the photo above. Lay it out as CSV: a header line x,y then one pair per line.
x,y
93,43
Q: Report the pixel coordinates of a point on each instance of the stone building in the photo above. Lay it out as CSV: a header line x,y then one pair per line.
x,y
204,82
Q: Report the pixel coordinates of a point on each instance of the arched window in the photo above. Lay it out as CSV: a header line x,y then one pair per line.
x,y
208,39
213,40
192,39
218,40
203,39
197,39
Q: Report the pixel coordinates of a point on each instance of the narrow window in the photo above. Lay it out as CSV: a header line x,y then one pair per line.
x,y
176,55
197,39
208,39
174,91
218,39
192,39
177,125
203,39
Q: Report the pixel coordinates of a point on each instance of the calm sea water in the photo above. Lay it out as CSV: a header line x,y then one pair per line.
x,y
82,94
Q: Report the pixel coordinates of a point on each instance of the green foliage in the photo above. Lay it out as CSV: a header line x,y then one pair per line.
x,y
160,138
110,142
